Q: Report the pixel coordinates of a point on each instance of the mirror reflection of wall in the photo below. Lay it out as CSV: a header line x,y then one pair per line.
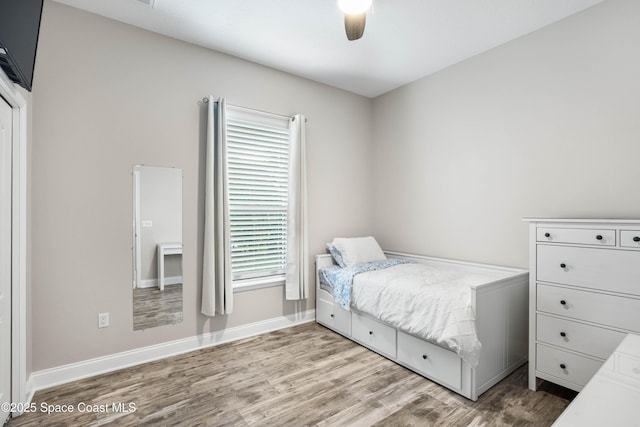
x,y
157,254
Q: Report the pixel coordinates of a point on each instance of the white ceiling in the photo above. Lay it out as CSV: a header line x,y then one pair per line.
x,y
403,40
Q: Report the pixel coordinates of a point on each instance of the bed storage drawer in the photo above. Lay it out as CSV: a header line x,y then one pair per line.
x,y
594,307
566,366
587,339
594,268
334,316
373,334
580,236
429,359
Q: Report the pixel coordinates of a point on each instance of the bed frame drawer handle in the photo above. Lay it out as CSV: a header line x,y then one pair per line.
x,y
563,334
424,356
599,237
331,315
636,239
563,366
370,332
563,265
563,302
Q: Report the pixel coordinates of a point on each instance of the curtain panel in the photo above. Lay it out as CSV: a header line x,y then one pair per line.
x,y
296,284
217,287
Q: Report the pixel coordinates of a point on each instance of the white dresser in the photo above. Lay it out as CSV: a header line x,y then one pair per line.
x,y
584,295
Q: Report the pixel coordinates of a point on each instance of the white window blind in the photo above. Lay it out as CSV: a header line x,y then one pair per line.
x,y
257,168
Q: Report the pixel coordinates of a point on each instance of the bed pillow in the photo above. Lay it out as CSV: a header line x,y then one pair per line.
x,y
357,250
337,257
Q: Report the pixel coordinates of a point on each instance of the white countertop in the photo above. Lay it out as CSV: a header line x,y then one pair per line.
x,y
612,396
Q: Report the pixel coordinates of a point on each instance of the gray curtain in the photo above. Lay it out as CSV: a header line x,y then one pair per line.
x,y
296,285
217,288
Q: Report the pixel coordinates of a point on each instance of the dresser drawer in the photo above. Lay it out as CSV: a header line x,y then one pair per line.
x,y
567,366
429,359
580,236
373,334
630,238
611,270
591,340
629,365
334,316
594,307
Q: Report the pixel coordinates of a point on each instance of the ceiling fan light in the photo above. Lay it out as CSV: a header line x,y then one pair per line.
x,y
354,25
354,7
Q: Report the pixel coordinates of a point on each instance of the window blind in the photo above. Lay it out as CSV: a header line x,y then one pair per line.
x,y
258,179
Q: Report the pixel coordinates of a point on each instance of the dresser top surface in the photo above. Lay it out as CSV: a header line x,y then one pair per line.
x,y
630,346
584,220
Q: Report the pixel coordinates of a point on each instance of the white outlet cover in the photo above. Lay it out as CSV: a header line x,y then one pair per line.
x,y
103,320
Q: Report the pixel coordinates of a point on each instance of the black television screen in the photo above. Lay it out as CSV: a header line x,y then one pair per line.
x,y
19,28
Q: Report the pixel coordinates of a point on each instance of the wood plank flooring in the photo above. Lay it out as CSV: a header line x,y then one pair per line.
x,y
153,307
300,376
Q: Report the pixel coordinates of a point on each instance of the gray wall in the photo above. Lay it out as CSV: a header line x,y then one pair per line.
x,y
108,96
546,125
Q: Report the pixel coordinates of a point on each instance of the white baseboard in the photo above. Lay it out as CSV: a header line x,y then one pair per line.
x,y
30,390
153,283
46,378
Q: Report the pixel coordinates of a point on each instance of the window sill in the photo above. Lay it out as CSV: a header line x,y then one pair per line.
x,y
259,283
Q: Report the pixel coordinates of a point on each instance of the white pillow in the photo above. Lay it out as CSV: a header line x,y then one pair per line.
x,y
356,250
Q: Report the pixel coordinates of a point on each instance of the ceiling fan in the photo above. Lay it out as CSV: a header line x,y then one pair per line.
x,y
355,16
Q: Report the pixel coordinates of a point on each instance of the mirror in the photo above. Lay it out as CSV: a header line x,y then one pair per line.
x,y
157,246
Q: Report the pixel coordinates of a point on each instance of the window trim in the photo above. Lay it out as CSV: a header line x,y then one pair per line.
x,y
243,285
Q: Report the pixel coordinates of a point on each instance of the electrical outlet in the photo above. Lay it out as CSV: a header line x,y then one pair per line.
x,y
103,320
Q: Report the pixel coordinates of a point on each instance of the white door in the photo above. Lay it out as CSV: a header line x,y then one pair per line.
x,y
5,256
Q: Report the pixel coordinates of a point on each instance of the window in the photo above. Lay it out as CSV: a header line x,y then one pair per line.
x,y
258,184
255,213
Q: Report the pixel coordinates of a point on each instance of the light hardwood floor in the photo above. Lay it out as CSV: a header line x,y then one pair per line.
x,y
304,375
153,307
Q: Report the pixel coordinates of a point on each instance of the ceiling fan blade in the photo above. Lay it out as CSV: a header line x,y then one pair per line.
x,y
354,25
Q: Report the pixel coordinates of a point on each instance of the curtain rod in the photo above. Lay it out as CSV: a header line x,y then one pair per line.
x,y
205,100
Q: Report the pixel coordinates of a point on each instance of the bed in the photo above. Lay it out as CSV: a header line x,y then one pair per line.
x,y
497,301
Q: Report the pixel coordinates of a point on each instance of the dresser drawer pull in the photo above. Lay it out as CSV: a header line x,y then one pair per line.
x,y
563,334
424,356
370,332
599,237
563,366
563,265
547,235
636,239
563,302
331,315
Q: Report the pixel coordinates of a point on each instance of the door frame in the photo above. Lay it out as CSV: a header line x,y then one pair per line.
x,y
20,393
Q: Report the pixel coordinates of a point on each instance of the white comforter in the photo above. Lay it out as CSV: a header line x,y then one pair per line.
x,y
428,302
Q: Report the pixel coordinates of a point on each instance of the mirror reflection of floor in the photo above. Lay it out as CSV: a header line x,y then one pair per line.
x,y
152,307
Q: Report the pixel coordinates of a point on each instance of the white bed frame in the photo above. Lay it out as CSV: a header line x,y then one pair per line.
x,y
501,309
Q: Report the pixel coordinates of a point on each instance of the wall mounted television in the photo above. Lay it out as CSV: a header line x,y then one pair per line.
x,y
19,29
